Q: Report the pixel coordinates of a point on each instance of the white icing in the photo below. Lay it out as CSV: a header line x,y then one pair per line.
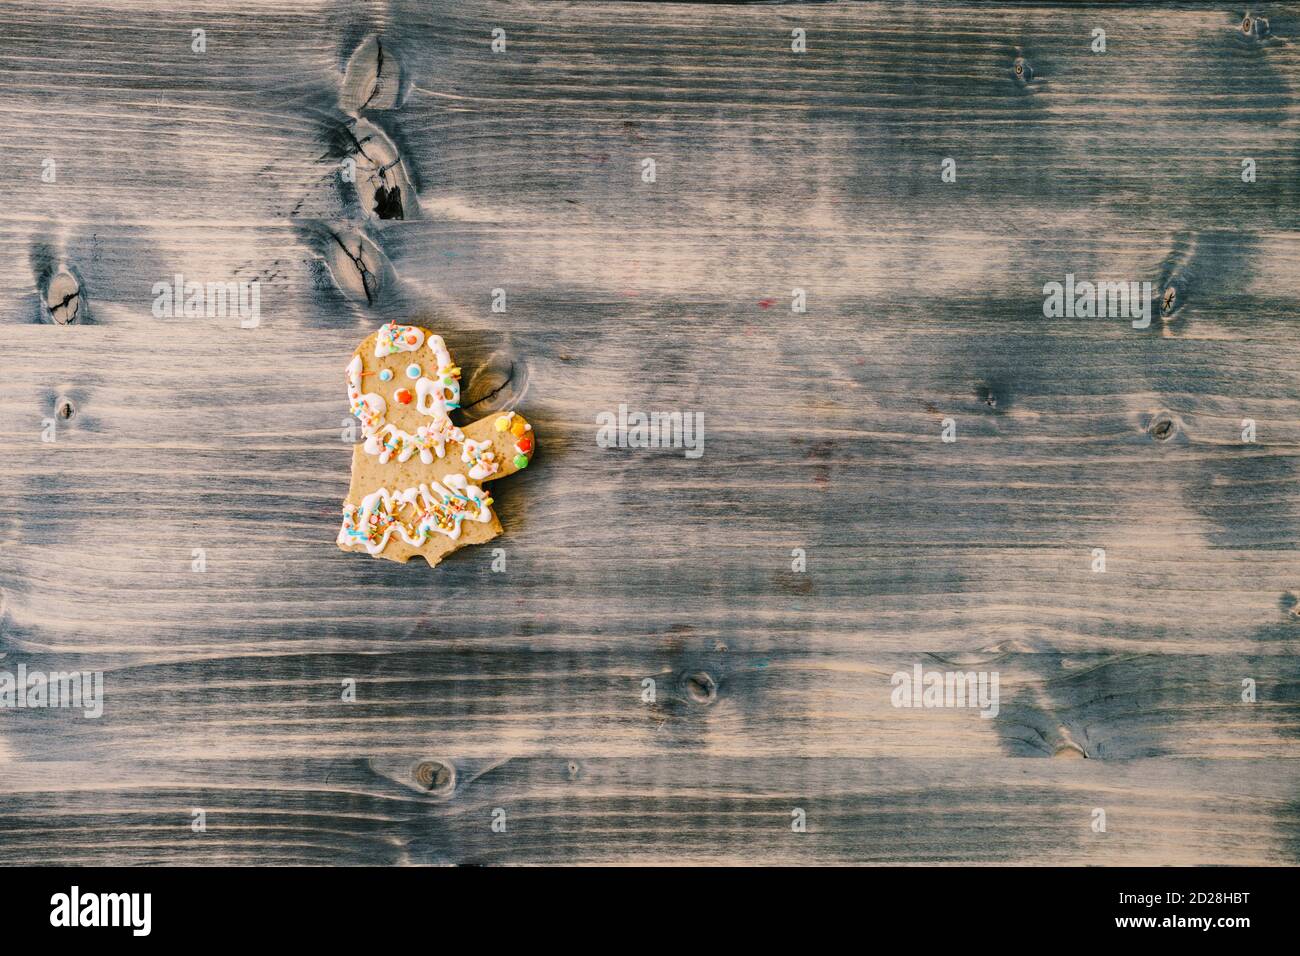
x,y
431,398
441,393
398,338
428,441
368,407
438,507
438,435
434,397
480,457
439,349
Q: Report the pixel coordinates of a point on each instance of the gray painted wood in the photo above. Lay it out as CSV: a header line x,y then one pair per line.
x,y
523,690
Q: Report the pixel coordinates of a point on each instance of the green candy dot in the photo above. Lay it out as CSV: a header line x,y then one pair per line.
x,y
521,461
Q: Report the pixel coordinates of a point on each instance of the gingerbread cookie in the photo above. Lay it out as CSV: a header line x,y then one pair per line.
x,y
417,479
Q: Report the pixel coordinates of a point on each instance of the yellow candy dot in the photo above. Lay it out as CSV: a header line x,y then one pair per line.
x,y
502,423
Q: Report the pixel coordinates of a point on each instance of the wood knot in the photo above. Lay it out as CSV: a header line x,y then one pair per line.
x,y
63,298
993,394
382,180
495,385
435,776
1070,750
701,688
1021,70
1256,27
64,409
573,769
1169,300
1163,426
371,80
359,267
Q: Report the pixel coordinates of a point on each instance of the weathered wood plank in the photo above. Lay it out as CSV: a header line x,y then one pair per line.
x,y
775,171
483,699
708,810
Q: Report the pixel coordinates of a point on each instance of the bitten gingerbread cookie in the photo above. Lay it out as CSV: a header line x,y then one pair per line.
x,y
417,479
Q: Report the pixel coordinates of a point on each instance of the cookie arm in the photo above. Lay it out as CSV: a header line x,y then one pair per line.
x,y
512,445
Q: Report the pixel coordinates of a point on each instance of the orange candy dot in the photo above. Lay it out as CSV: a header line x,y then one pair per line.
x,y
517,429
404,396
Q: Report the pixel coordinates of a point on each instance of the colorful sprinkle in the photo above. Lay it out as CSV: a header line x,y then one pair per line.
x,y
481,458
521,461
397,338
440,509
412,371
385,375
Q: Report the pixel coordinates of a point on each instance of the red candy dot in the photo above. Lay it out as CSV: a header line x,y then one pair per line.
x,y
404,396
525,444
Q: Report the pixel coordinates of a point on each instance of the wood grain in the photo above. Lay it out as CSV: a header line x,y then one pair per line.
x,y
775,171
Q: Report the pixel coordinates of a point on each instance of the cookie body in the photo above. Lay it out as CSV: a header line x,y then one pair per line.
x,y
417,478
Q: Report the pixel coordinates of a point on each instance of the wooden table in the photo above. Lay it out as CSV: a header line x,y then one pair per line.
x,y
653,678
